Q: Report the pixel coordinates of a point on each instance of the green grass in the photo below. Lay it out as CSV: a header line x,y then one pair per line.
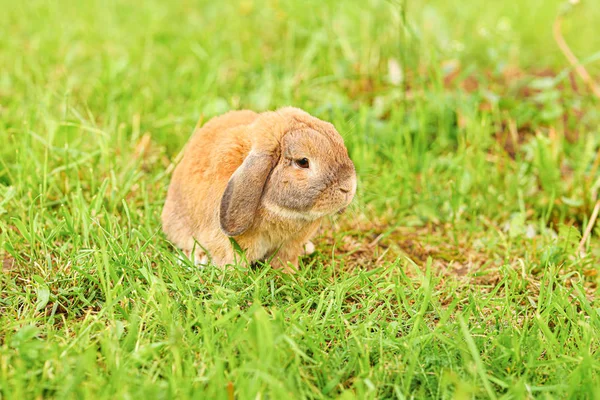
x,y
454,275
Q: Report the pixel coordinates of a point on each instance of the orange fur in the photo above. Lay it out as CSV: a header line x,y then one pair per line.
x,y
215,152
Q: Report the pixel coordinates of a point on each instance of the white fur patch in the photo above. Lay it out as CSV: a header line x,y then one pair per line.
x,y
293,214
309,248
201,261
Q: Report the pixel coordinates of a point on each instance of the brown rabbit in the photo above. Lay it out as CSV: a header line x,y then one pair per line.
x,y
267,180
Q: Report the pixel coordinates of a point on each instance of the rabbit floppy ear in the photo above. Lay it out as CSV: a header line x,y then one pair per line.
x,y
241,198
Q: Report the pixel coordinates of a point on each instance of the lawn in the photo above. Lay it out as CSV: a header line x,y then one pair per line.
x,y
458,272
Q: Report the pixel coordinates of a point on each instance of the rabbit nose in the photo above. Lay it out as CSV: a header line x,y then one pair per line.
x,y
345,190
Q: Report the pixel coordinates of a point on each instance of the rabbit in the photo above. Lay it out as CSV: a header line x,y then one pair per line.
x,y
266,180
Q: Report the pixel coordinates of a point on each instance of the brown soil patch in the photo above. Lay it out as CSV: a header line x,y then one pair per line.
x,y
8,264
368,244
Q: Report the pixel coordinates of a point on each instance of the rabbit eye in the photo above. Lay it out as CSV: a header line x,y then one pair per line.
x,y
302,162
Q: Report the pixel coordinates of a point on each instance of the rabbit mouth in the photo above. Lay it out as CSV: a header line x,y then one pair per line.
x,y
342,210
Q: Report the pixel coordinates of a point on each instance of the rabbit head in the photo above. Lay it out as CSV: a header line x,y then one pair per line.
x,y
298,169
